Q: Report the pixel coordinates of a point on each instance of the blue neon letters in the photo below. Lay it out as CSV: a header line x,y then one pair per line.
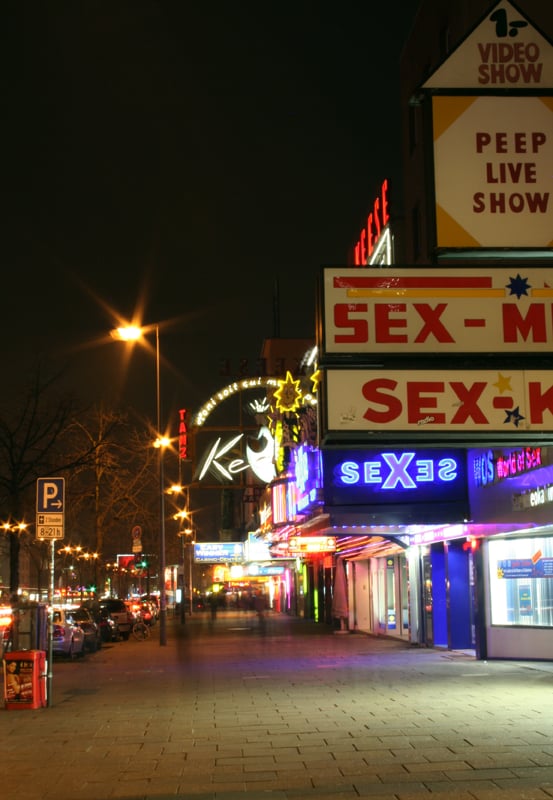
x,y
397,471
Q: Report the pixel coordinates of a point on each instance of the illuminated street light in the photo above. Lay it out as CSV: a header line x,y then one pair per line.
x,y
132,333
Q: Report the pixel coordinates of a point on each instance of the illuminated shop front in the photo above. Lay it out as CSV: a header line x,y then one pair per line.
x,y
376,501
511,494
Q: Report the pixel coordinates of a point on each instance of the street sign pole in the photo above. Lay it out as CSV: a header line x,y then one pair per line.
x,y
50,672
50,522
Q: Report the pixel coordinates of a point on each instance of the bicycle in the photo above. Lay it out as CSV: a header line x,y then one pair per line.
x,y
141,631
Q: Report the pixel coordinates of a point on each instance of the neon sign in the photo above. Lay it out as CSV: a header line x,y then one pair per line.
x,y
397,470
378,477
377,220
491,466
307,476
220,461
183,435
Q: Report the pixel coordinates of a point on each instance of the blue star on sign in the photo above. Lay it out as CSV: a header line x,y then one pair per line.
x,y
513,416
518,286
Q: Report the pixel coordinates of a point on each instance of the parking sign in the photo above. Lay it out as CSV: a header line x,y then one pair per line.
x,y
50,508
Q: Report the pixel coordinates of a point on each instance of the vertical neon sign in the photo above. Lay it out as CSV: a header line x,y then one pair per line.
x,y
183,435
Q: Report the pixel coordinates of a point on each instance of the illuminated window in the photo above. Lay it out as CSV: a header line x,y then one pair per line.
x,y
521,581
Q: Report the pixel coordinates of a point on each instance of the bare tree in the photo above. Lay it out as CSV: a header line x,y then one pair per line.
x,y
114,489
32,424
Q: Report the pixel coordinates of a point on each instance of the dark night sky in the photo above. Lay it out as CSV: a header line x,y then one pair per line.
x,y
181,158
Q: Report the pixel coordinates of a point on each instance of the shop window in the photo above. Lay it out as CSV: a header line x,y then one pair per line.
x,y
521,581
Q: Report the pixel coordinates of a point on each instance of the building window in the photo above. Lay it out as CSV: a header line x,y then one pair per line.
x,y
521,581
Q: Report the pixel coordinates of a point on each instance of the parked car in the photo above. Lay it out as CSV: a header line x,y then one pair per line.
x,y
119,613
68,638
92,634
107,625
6,629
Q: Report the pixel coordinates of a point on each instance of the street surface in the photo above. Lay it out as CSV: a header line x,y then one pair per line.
x,y
297,712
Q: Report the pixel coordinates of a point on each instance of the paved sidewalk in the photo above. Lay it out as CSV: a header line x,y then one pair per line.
x,y
224,712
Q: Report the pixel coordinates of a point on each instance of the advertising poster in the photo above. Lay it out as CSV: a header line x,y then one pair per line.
x,y
18,680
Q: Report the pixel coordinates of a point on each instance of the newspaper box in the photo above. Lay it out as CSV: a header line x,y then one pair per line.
x,y
25,679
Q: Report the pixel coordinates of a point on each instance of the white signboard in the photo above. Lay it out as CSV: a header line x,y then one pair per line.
x,y
505,51
478,310
493,162
509,401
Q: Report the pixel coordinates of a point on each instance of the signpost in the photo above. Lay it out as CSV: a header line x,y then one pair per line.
x,y
50,522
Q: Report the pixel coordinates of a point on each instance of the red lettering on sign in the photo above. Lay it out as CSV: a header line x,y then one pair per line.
x,y
539,401
343,319
469,408
431,318
420,405
384,322
515,324
374,392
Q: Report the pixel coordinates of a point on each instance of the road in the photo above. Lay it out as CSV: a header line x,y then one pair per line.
x,y
225,711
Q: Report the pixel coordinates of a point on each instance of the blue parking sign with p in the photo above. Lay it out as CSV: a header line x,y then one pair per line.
x,y
50,495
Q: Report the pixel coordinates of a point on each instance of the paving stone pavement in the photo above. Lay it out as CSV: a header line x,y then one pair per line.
x,y
225,711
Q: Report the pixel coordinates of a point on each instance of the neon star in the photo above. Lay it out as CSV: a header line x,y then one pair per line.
x,y
288,394
315,379
503,383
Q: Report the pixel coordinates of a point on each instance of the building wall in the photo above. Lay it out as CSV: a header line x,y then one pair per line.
x,y
438,29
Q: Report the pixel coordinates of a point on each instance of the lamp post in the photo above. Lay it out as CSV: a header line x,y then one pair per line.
x,y
132,333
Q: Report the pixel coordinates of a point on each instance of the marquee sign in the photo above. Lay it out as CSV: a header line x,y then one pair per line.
x,y
469,310
367,476
512,401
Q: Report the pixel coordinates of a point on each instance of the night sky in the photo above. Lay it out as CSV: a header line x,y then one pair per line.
x,y
184,160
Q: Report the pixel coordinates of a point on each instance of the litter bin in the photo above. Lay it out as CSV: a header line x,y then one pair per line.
x,y
25,679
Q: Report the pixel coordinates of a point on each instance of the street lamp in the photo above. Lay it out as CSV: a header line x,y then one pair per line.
x,y
132,333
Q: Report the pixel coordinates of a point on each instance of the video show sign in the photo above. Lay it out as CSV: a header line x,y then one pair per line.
x,y
369,477
439,400
505,51
421,311
493,161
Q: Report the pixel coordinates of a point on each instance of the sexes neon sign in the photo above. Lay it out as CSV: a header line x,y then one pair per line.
x,y
375,477
398,471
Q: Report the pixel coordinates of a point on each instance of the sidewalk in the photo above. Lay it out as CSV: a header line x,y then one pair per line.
x,y
225,712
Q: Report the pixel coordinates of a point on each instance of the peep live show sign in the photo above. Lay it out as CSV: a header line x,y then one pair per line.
x,y
510,401
493,161
374,477
468,310
493,145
